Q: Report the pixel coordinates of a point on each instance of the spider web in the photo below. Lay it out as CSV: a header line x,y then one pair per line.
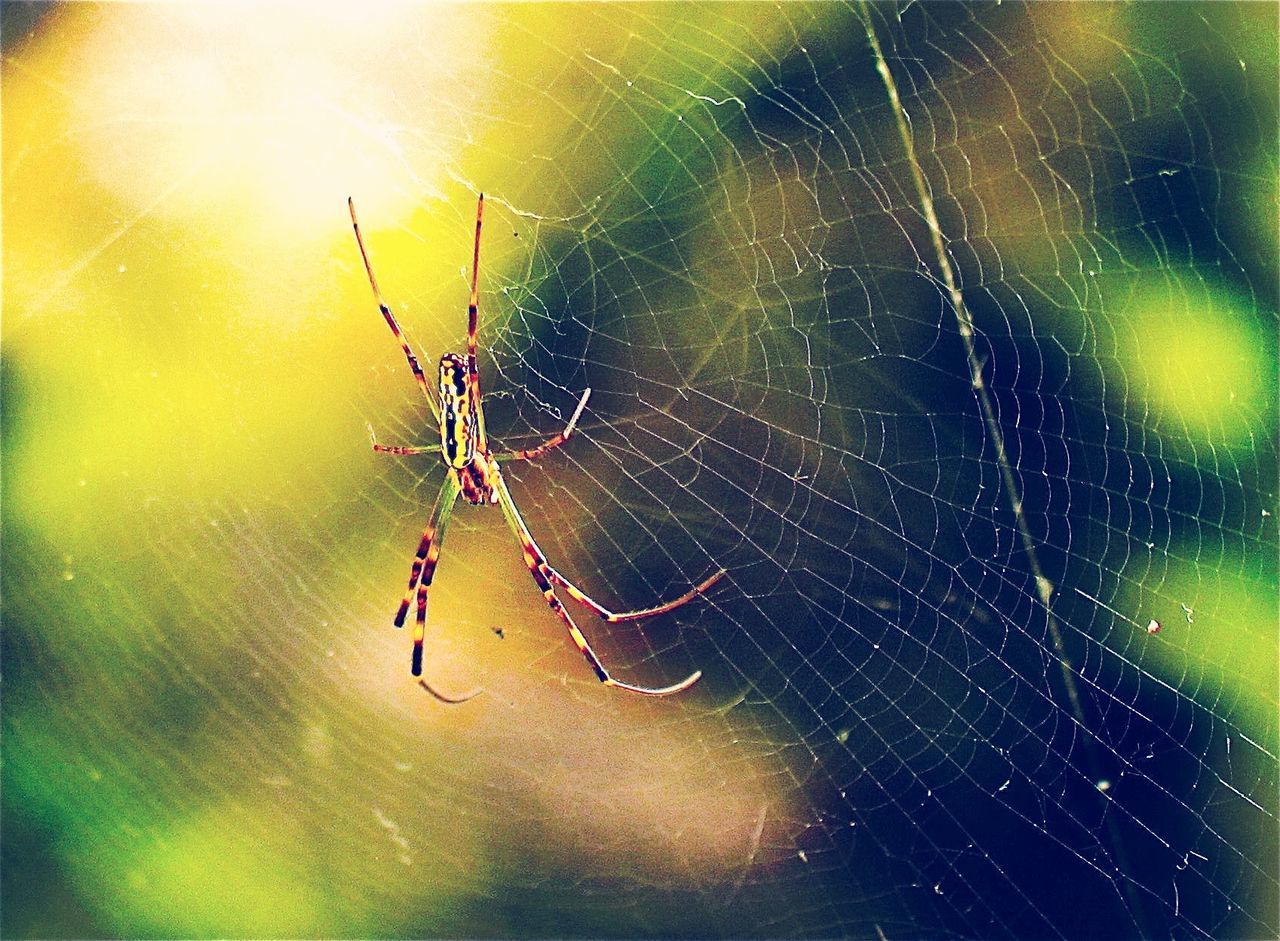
x,y
948,332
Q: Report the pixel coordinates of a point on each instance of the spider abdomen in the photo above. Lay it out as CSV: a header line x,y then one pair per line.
x,y
457,413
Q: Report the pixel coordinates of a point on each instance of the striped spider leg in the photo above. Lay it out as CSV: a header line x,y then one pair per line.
x,y
472,472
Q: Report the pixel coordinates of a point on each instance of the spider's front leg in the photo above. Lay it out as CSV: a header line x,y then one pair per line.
x,y
418,375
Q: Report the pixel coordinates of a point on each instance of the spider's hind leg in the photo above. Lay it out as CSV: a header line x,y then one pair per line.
x,y
613,617
424,567
540,570
449,700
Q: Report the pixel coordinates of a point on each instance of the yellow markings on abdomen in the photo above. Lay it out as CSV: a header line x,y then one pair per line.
x,y
457,418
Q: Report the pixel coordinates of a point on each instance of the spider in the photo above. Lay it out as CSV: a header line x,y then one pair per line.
x,y
472,472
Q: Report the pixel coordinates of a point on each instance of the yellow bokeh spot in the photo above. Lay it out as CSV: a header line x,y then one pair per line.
x,y
1218,642
177,124
211,882
1205,371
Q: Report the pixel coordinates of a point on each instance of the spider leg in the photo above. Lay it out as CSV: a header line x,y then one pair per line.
x,y
399,448
473,324
532,454
449,700
390,318
616,617
424,566
539,569
403,450
576,593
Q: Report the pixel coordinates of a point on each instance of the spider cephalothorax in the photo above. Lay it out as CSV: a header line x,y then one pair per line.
x,y
473,474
